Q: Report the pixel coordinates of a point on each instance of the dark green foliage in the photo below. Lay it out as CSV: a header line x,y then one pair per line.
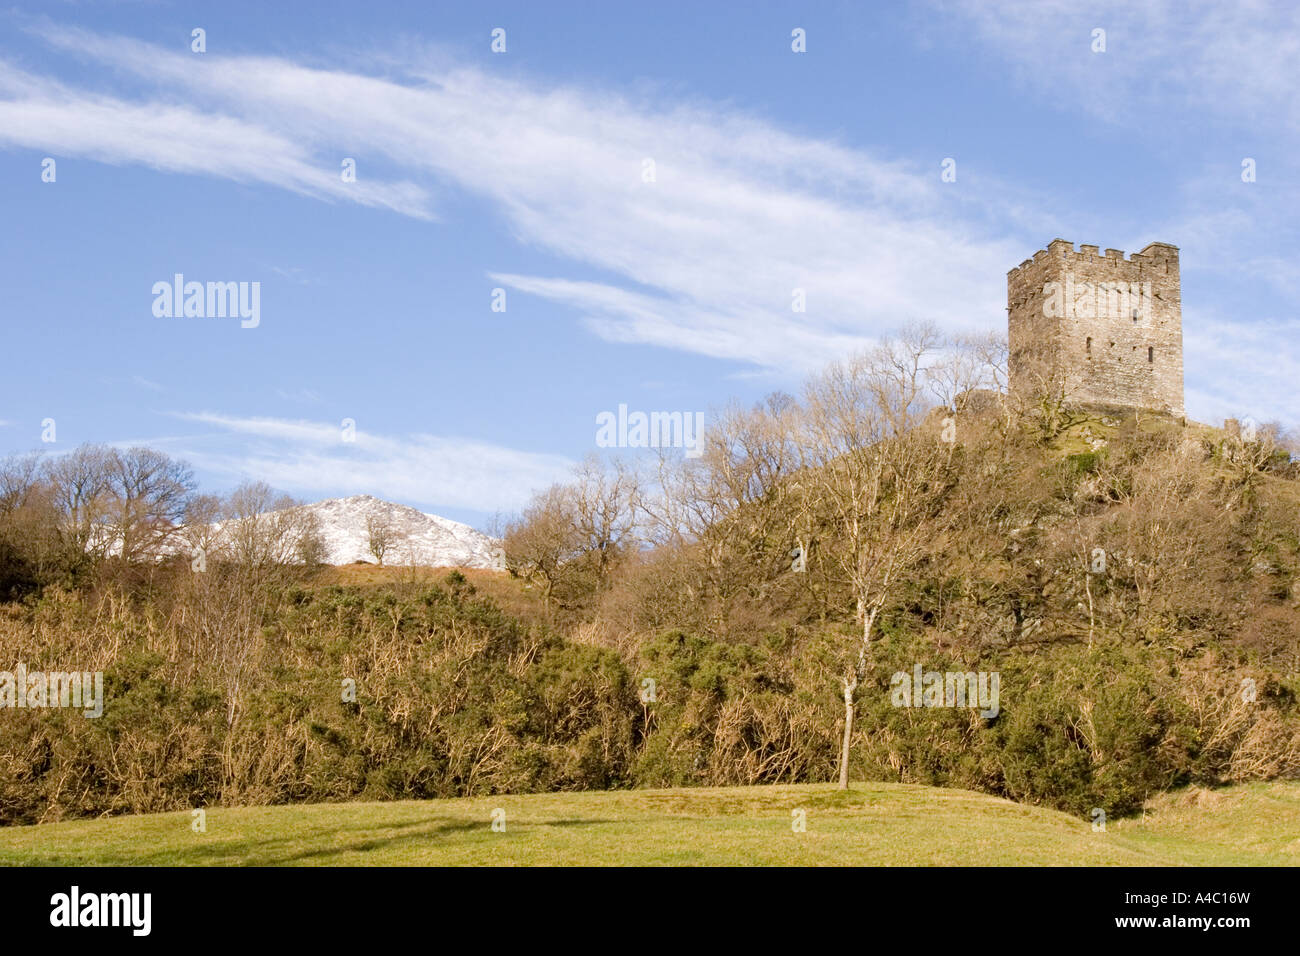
x,y
453,697
1083,463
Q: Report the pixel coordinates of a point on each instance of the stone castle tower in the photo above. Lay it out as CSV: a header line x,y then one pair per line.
x,y
1109,330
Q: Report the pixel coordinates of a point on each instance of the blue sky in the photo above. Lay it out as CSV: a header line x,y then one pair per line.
x,y
523,170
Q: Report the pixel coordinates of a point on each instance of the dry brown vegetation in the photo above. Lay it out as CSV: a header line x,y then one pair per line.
x,y
733,618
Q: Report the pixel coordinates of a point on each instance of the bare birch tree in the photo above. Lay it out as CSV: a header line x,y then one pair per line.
x,y
879,479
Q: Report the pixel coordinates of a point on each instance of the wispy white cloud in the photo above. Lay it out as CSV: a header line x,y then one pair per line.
x,y
740,213
1237,369
704,258
770,339
304,396
139,381
309,457
294,274
1234,60
40,113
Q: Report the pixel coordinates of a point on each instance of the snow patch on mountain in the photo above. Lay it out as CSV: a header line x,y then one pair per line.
x,y
422,539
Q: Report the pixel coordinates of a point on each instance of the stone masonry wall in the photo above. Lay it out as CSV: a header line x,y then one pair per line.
x,y
1109,329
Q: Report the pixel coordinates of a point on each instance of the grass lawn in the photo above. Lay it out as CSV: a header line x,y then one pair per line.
x,y
870,824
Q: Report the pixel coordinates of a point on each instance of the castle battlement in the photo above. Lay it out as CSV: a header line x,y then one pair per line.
x,y
1156,255
1106,327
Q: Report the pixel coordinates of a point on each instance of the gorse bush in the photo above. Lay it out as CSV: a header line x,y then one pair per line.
x,y
726,714
452,697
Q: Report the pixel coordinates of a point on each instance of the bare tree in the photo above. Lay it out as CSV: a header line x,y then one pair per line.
x,y
310,548
1045,396
1288,439
732,496
21,478
542,543
264,531
571,537
149,492
603,504
878,478
200,533
31,541
971,364
82,484
381,535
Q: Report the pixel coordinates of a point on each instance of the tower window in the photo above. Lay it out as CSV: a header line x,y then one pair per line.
x,y
1151,355
1089,345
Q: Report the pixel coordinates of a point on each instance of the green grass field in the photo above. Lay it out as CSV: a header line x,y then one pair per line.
x,y
870,824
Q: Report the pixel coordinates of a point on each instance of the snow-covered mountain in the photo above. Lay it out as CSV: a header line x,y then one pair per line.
x,y
418,538
346,527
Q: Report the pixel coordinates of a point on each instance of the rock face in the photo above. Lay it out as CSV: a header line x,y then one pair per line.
x,y
416,538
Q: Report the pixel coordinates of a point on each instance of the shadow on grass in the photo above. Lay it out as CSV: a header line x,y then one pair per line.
x,y
298,848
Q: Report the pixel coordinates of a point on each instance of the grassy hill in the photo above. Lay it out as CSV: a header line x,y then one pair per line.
x,y
870,824
1133,582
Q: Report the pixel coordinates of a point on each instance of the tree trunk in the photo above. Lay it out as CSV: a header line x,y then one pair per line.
x,y
849,688
851,685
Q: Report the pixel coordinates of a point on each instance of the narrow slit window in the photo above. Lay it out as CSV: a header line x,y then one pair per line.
x,y
1089,345
1151,355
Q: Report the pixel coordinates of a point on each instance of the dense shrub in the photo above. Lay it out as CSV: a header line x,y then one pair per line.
x,y
453,697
